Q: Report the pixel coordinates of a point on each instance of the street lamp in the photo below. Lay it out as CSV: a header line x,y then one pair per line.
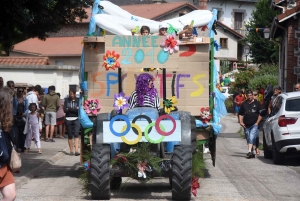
x,y
246,51
267,33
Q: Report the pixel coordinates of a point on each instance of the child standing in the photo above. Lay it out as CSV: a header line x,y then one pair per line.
x,y
33,128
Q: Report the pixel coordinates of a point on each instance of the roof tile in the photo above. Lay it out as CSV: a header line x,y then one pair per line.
x,y
56,46
24,61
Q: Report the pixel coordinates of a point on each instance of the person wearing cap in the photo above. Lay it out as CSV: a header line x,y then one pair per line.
x,y
226,81
163,27
276,92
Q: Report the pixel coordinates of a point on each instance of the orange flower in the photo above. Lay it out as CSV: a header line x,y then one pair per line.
x,y
110,60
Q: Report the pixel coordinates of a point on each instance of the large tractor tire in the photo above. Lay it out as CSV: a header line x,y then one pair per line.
x,y
193,134
100,172
182,172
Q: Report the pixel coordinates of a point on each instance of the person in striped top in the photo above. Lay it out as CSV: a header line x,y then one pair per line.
x,y
145,95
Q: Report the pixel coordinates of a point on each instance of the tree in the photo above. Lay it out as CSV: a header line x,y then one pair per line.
x,y
22,19
261,50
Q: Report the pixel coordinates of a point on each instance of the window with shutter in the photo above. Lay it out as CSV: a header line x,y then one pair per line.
x,y
238,20
224,42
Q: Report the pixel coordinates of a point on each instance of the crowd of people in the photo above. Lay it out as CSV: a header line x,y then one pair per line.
x,y
248,106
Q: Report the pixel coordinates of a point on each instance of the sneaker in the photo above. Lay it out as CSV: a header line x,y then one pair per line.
x,y
51,140
249,154
77,153
46,140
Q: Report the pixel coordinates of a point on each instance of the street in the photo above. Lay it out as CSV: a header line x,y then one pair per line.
x,y
234,178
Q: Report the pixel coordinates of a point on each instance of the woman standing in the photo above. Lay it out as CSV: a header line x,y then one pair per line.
x,y
7,183
71,106
60,119
20,109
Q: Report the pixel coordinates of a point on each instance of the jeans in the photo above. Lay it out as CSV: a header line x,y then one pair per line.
x,y
251,134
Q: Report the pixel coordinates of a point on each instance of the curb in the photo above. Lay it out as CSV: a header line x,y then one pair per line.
x,y
36,171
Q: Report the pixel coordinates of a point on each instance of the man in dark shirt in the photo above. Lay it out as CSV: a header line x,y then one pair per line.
x,y
249,119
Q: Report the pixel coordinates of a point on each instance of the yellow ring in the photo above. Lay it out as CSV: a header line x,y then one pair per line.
x,y
133,125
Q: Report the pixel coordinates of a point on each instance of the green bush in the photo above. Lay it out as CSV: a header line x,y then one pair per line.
x,y
229,104
267,69
263,80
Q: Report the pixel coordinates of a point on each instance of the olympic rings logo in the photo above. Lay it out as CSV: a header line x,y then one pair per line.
x,y
137,130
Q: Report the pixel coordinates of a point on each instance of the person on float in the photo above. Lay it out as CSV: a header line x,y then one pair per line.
x,y
144,95
162,27
145,31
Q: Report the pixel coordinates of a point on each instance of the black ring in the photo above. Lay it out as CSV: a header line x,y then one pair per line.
x,y
141,117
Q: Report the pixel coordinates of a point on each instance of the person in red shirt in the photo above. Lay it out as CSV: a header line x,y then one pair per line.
x,y
238,100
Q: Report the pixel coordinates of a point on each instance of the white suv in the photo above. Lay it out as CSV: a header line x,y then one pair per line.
x,y
281,130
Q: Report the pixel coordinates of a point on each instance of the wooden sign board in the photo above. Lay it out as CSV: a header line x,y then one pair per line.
x,y
187,78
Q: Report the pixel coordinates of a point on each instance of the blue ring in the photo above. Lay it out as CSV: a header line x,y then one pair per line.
x,y
123,118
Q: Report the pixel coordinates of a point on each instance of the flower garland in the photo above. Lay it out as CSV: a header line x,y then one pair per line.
x,y
92,106
110,60
121,101
169,104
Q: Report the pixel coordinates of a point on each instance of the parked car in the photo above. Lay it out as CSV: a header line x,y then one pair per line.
x,y
281,130
225,91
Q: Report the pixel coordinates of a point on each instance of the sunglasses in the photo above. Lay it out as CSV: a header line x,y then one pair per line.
x,y
254,94
164,29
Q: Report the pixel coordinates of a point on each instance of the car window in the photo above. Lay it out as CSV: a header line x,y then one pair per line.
x,y
276,105
293,105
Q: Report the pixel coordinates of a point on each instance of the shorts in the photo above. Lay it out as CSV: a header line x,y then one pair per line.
x,y
251,134
73,127
50,118
60,121
237,109
6,176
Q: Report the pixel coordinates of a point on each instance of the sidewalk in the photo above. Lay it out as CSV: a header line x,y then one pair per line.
x,y
34,163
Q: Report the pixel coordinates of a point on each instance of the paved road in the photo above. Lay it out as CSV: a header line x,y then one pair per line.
x,y
233,178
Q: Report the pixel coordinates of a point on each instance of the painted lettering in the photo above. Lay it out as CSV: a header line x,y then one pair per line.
x,y
201,87
127,41
110,82
191,50
145,41
96,93
117,41
153,41
178,85
136,41
161,84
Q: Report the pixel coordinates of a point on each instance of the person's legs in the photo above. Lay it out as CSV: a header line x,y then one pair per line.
x,y
257,145
9,192
60,128
237,109
76,134
52,123
69,126
252,134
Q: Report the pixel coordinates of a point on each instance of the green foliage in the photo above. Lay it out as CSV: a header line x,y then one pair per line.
x,y
84,177
261,50
198,164
263,81
20,19
268,69
242,78
229,103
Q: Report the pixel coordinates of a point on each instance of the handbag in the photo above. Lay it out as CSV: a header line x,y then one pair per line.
x,y
15,160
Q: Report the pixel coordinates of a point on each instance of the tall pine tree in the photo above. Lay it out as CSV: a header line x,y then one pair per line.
x,y
261,50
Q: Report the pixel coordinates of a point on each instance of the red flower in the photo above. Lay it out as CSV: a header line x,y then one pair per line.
x,y
170,44
195,185
110,60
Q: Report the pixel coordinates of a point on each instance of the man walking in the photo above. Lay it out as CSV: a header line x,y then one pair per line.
x,y
51,104
249,117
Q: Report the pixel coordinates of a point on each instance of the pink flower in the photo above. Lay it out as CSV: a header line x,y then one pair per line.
x,y
170,44
92,106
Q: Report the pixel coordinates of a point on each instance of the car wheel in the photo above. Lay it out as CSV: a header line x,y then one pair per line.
x,y
267,152
278,158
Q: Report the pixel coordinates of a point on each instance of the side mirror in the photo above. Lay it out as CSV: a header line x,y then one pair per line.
x,y
263,112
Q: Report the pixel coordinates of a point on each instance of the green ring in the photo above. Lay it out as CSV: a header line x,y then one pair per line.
x,y
147,136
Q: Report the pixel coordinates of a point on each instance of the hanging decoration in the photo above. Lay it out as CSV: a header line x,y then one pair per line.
x,y
205,114
92,106
110,60
172,29
121,101
169,104
195,185
170,44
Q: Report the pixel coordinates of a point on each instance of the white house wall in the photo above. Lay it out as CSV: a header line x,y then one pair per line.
x,y
44,77
231,51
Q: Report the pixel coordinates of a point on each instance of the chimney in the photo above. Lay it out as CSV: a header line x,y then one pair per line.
x,y
157,1
202,4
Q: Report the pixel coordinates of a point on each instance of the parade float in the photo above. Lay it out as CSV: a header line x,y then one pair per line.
x,y
143,143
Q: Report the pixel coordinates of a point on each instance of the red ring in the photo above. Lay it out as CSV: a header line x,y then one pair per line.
x,y
157,122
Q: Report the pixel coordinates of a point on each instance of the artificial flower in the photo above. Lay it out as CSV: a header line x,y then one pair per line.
x,y
169,104
92,106
121,101
205,114
87,166
170,44
195,185
110,60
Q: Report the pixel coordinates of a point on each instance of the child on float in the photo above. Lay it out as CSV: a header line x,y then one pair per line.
x,y
33,128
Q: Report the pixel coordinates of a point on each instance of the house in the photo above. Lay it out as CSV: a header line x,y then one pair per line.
x,y
231,50
285,31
